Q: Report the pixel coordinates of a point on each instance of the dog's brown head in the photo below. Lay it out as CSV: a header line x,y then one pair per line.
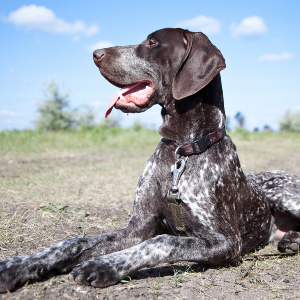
x,y
169,64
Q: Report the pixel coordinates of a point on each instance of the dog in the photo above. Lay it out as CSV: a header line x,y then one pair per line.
x,y
208,211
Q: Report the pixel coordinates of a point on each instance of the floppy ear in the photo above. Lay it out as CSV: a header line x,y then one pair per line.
x,y
202,62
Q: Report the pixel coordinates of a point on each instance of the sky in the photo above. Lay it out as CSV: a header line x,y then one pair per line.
x,y
41,40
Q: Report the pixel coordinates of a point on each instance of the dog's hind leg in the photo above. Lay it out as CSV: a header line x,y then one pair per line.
x,y
282,192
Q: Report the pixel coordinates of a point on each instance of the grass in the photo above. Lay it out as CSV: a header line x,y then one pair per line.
x,y
102,138
99,138
58,185
257,150
156,286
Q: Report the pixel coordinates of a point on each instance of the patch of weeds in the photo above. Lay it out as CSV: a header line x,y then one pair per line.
x,y
58,280
39,289
202,292
80,214
26,284
123,280
178,277
109,292
62,209
113,219
198,267
82,234
156,286
212,280
275,296
141,284
54,207
241,269
188,269
255,280
25,252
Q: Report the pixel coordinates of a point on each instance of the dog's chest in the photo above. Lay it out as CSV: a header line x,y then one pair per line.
x,y
196,192
204,186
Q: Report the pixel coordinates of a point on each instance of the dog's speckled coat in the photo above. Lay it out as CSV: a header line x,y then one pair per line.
x,y
226,212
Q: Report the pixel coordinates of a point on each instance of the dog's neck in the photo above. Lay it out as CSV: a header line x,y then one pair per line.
x,y
194,116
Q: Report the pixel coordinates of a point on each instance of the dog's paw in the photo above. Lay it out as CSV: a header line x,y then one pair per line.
x,y
16,271
290,242
98,273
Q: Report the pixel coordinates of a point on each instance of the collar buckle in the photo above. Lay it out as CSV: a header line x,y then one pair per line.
x,y
203,144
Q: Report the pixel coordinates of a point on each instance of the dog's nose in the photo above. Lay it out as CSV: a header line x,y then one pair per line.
x,y
98,55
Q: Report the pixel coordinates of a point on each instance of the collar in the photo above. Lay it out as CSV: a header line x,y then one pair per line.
x,y
198,146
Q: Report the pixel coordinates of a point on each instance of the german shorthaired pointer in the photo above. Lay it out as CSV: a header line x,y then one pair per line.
x,y
221,212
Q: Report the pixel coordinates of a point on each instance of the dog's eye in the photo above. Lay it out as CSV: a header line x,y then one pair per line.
x,y
151,42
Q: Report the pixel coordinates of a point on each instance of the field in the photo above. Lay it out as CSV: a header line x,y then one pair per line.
x,y
59,185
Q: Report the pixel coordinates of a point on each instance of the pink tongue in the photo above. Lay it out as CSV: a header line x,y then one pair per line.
x,y
116,96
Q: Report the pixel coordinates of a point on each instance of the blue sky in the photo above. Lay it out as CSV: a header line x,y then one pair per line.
x,y
41,40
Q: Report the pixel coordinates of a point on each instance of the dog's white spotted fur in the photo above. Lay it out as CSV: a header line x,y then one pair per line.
x,y
226,212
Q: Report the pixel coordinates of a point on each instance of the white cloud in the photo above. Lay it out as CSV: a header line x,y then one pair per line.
x,y
276,57
42,18
9,113
249,27
11,70
207,25
99,45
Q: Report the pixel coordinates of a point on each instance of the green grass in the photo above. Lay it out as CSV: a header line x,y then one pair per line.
x,y
240,134
100,138
67,184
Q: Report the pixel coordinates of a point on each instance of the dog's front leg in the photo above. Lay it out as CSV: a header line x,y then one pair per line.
x,y
62,257
106,270
145,223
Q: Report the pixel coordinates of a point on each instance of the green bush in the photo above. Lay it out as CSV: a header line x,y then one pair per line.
x,y
290,122
55,114
241,133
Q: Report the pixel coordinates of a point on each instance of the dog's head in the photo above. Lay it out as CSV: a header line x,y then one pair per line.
x,y
171,62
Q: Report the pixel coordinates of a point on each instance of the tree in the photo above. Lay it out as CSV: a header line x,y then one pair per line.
x,y
227,123
290,121
240,119
54,113
267,128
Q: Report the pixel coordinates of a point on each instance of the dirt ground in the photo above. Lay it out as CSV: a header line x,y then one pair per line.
x,y
48,197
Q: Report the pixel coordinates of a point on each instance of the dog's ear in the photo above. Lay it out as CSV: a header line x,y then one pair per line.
x,y
201,63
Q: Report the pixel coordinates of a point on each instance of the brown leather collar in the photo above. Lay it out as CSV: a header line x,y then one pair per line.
x,y
198,146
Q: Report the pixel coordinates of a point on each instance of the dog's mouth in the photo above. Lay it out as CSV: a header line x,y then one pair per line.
x,y
136,94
